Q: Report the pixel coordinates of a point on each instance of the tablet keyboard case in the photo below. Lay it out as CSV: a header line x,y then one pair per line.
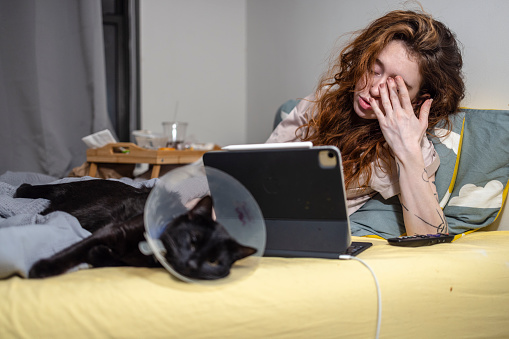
x,y
301,200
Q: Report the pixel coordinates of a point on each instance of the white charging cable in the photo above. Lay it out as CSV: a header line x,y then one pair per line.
x,y
379,293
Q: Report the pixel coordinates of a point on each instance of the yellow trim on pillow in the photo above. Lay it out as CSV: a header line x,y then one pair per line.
x,y
374,236
455,174
504,200
445,199
457,236
484,109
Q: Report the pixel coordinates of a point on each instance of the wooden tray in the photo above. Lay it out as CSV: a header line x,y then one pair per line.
x,y
129,153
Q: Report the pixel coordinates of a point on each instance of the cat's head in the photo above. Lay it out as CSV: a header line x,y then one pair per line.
x,y
200,248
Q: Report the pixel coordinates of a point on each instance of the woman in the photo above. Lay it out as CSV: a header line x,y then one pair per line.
x,y
398,79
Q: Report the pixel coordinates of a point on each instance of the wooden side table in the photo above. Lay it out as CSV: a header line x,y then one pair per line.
x,y
129,153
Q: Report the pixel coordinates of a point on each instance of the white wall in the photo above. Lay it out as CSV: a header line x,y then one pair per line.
x,y
194,50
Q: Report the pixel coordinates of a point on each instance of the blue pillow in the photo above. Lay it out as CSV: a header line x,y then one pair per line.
x,y
481,177
283,111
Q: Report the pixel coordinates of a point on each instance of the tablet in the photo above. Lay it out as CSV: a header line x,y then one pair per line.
x,y
301,194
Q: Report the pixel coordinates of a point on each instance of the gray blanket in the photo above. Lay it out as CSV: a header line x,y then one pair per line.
x,y
25,235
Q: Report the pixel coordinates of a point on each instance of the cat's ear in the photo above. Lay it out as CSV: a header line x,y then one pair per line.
x,y
240,251
202,208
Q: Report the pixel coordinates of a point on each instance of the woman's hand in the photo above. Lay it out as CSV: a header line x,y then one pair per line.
x,y
401,128
403,131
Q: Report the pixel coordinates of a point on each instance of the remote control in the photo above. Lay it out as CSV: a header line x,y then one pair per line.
x,y
420,240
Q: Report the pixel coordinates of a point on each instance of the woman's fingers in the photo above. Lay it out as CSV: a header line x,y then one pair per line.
x,y
403,95
424,113
400,126
378,112
385,99
395,101
394,96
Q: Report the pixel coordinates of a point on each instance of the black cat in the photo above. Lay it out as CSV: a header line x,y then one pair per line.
x,y
196,246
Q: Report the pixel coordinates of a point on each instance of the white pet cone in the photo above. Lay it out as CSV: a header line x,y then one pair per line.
x,y
234,208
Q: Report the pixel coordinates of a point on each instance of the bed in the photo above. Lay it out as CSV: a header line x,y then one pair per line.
x,y
454,290
458,290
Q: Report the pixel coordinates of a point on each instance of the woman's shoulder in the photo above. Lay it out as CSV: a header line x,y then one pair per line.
x,y
305,103
288,129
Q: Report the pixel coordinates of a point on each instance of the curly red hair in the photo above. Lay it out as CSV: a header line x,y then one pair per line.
x,y
361,141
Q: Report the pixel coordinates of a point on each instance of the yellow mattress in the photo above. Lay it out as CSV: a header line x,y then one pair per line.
x,y
441,291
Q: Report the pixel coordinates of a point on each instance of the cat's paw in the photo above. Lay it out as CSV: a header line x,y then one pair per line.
x,y
44,268
23,191
101,256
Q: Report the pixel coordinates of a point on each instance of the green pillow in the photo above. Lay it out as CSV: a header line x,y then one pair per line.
x,y
482,173
283,111
447,146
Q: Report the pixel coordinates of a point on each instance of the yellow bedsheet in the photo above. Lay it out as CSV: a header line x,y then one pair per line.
x,y
441,291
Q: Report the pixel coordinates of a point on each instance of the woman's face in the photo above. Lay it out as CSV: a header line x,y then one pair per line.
x,y
393,60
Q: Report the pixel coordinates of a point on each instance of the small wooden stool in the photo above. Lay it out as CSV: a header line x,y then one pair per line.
x,y
129,153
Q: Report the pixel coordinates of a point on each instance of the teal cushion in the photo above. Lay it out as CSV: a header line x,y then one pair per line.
x,y
447,147
482,173
380,217
284,110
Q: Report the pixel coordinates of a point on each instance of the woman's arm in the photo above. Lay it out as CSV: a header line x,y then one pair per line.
x,y
403,131
421,210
